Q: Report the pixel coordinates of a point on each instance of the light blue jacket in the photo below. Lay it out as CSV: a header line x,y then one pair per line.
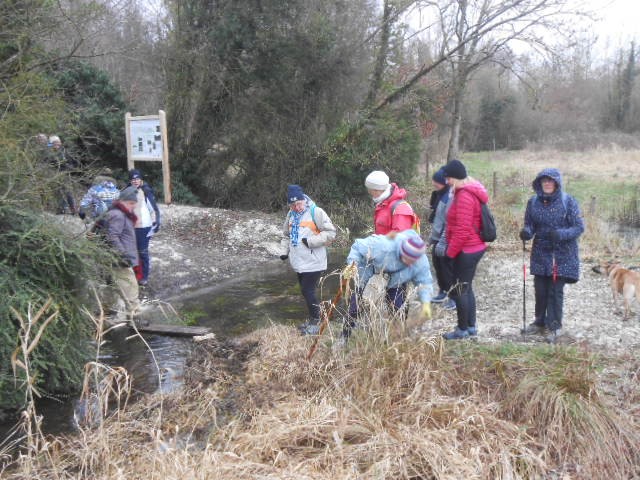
x,y
380,254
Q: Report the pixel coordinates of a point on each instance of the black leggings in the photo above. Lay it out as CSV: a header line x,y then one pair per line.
x,y
308,283
464,269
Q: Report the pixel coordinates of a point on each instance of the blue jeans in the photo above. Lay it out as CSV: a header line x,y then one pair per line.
x,y
142,243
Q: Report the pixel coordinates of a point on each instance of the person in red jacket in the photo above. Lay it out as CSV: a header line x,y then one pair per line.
x,y
463,244
392,213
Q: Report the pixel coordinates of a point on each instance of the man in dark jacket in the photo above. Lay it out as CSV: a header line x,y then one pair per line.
x,y
554,221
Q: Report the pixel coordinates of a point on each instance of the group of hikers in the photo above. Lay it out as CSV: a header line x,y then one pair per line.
x,y
456,245
126,219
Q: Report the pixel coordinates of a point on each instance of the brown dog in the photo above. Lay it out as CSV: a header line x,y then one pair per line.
x,y
623,282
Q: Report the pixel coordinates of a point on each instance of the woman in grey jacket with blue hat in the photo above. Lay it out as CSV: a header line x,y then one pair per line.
x,y
307,231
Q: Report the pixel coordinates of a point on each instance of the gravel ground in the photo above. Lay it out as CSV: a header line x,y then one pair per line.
x,y
199,247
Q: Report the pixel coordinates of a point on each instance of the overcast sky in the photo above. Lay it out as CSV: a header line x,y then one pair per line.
x,y
620,19
616,24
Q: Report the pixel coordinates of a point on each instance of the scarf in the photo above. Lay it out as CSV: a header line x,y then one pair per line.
x,y
120,206
383,196
295,226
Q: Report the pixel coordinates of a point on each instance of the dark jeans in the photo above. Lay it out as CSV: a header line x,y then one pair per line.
x,y
443,267
549,300
464,269
308,283
395,298
142,243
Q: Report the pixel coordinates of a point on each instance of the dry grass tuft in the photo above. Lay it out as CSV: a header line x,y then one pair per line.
x,y
402,408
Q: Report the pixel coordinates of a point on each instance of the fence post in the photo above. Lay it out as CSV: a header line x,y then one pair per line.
x,y
592,205
495,184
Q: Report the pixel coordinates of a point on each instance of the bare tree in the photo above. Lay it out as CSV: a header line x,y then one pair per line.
x,y
473,32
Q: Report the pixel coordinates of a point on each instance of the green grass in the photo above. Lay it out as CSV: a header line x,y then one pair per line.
x,y
191,317
568,368
515,175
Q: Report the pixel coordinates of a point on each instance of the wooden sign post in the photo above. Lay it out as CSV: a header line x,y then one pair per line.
x,y
147,141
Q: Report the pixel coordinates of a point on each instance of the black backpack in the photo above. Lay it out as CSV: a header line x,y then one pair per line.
x,y
488,231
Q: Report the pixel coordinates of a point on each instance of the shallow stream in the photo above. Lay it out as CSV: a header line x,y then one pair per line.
x,y
268,294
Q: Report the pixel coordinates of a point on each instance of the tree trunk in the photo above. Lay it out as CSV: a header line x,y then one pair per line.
x,y
456,120
381,57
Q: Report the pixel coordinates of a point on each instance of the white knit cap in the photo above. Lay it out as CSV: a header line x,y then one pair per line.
x,y
377,180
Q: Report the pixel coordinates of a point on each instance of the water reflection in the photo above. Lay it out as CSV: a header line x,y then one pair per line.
x,y
269,294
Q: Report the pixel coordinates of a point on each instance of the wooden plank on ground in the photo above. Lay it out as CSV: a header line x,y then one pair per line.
x,y
173,330
164,329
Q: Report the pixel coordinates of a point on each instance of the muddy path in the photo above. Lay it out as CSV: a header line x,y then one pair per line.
x,y
200,247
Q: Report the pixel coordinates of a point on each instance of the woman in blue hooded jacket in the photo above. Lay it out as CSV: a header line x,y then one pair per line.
x,y
554,221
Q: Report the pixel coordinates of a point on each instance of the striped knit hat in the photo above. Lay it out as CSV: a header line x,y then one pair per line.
x,y
412,248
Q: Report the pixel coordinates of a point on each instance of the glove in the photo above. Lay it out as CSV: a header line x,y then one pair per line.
x,y
426,310
306,244
524,235
349,271
441,249
82,215
284,257
156,227
554,235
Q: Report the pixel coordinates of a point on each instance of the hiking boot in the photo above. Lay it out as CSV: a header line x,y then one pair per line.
x,y
310,327
473,331
457,334
340,343
311,330
449,305
553,335
441,297
533,329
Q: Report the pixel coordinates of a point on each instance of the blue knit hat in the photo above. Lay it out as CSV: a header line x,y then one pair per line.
x,y
455,169
135,173
294,193
440,177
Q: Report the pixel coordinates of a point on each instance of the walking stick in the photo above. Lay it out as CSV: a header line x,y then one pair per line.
x,y
327,316
524,289
554,265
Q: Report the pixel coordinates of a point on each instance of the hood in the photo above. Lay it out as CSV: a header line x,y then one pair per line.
x,y
103,179
477,189
397,193
310,202
547,172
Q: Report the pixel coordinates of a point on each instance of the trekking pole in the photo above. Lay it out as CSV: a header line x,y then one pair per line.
x,y
327,314
554,265
524,289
